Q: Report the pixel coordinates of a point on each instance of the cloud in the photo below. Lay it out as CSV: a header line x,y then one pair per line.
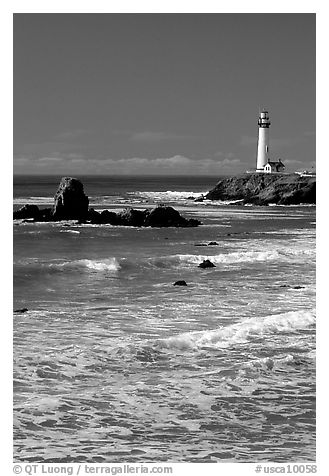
x,y
177,160
177,164
294,165
292,162
21,161
50,159
135,165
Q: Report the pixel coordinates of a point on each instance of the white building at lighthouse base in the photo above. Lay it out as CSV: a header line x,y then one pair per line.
x,y
273,167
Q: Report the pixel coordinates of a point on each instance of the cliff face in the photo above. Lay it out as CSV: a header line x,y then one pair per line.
x,y
262,189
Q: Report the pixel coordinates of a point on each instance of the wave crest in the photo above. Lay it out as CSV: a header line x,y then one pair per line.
x,y
235,257
108,264
167,196
242,331
228,258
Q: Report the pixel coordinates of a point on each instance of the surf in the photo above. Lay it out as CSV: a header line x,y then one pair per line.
x,y
241,332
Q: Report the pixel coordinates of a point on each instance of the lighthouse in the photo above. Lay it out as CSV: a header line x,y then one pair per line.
x,y
263,155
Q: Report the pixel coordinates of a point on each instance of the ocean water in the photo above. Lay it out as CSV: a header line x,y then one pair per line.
x,y
112,363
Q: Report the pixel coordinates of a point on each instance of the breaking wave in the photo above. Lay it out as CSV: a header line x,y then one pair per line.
x,y
108,264
235,257
229,258
34,201
167,196
70,231
113,264
242,331
32,267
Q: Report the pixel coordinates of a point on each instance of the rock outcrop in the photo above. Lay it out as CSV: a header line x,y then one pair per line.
x,y
132,217
71,203
181,282
94,216
27,211
206,263
162,216
262,189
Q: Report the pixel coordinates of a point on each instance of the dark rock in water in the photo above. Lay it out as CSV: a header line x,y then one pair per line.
x,y
212,243
291,287
110,218
262,189
200,244
32,212
132,217
46,214
94,216
192,222
206,263
71,203
27,211
21,311
180,283
163,216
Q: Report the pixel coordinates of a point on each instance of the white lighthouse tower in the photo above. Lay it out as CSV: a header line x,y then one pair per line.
x,y
263,155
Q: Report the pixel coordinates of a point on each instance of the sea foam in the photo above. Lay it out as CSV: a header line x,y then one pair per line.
x,y
223,258
236,257
242,331
167,196
107,264
34,201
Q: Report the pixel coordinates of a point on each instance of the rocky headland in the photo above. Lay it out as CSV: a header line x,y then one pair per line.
x,y
71,203
265,189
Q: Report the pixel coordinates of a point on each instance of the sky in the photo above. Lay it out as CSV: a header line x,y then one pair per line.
x,y
161,93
